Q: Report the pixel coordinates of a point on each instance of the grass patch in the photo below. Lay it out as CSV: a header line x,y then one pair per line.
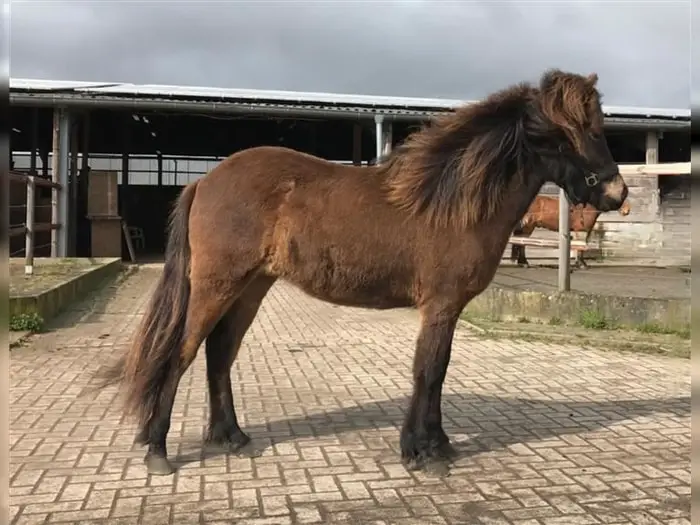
x,y
684,334
653,328
594,320
591,330
670,345
26,322
473,317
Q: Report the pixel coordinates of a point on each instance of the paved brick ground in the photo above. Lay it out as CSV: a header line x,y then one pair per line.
x,y
549,434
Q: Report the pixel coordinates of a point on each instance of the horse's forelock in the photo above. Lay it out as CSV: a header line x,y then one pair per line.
x,y
571,102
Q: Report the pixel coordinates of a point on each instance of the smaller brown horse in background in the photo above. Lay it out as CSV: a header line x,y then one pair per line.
x,y
544,213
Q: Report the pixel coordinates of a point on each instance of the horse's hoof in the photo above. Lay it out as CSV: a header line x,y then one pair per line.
x,y
249,450
432,466
238,443
436,468
432,456
158,465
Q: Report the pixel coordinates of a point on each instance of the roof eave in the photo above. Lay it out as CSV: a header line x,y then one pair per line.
x,y
289,110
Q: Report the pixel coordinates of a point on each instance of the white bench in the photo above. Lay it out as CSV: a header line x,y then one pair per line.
x,y
576,246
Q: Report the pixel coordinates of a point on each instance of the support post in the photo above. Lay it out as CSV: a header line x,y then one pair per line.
x,y
34,141
357,144
54,177
652,157
29,234
379,132
85,146
160,167
83,175
82,225
387,138
126,146
73,191
564,243
44,154
383,137
652,153
59,168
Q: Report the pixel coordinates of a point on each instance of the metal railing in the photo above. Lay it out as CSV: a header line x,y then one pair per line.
x,y
30,226
175,170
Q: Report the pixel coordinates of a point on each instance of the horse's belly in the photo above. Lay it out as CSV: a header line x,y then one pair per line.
x,y
375,295
344,275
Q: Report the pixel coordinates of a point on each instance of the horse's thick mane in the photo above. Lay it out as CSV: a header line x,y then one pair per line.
x,y
456,171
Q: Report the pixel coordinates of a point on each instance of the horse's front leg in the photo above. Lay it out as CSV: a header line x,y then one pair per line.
x,y
423,439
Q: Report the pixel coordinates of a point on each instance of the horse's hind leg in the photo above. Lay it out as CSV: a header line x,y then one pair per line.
x,y
580,261
208,301
522,260
222,347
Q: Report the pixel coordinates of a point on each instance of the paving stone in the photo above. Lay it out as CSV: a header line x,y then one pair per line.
x,y
549,434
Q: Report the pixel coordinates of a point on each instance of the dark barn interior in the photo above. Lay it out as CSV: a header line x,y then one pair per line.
x,y
169,135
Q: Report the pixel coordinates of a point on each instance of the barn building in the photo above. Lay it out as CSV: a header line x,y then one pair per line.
x,y
154,139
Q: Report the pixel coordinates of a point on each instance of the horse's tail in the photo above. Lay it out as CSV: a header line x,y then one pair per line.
x,y
152,360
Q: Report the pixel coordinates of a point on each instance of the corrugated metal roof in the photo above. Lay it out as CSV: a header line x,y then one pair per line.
x,y
42,85
286,96
263,98
226,94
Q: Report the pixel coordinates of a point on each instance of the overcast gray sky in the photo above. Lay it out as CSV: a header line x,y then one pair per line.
x,y
463,50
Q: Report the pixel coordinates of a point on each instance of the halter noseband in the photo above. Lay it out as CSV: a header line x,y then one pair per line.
x,y
592,179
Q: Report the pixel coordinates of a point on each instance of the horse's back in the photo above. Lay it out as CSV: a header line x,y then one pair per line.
x,y
319,225
259,179
279,162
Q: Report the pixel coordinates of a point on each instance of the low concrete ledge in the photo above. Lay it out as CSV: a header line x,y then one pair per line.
x,y
500,303
50,302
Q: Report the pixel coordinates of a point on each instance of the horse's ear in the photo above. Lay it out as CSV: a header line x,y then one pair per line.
x,y
592,79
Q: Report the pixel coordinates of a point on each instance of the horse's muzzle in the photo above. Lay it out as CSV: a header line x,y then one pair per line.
x,y
613,194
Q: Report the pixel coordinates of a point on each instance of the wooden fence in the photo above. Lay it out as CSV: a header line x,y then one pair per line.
x,y
31,226
666,168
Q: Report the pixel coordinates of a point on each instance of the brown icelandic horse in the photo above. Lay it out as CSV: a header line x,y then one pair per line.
x,y
425,228
544,213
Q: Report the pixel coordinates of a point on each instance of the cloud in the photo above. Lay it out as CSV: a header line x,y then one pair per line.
x,y
464,50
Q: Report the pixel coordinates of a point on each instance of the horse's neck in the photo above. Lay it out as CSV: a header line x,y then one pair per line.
x,y
513,208
518,201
